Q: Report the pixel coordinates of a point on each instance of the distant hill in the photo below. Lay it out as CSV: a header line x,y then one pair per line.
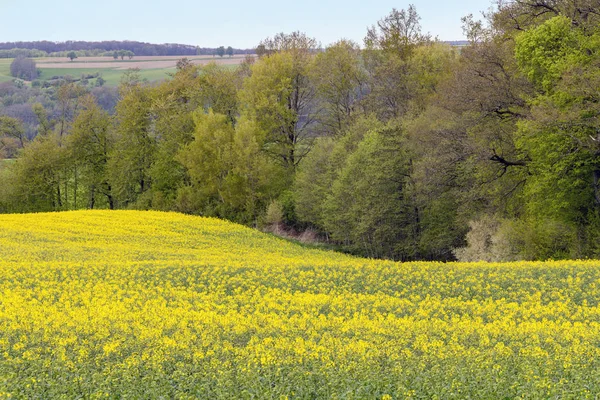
x,y
139,48
457,43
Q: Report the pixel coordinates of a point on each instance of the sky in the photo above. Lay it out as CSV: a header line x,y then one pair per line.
x,y
236,23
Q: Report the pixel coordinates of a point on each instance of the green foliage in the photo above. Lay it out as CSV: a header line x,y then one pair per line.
x,y
12,136
315,176
37,176
130,161
561,136
266,100
217,89
542,51
313,183
493,239
229,177
340,79
90,143
370,207
279,97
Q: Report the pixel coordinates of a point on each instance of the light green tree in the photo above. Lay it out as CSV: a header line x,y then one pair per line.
x,y
90,143
134,151
278,98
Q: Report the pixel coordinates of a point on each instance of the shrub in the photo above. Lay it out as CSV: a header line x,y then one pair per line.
x,y
500,240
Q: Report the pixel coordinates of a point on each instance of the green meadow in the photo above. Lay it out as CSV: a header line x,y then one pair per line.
x,y
112,76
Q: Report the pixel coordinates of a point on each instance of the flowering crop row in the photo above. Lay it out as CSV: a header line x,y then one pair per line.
x,y
102,304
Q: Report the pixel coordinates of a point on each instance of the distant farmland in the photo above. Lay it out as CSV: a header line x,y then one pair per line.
x,y
111,70
136,62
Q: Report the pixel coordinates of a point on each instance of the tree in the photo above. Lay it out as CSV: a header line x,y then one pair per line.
x,y
172,104
370,209
389,47
218,90
279,97
321,167
38,175
398,33
296,42
230,178
24,68
183,64
220,51
90,144
229,51
340,83
71,55
116,55
11,134
67,97
135,145
561,136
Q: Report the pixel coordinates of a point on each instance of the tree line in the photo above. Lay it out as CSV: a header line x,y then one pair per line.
x,y
405,148
48,48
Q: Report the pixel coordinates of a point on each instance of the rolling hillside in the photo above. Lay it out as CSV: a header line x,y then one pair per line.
x,y
162,305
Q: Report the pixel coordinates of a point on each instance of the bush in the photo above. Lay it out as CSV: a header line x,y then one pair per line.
x,y
274,215
479,240
501,240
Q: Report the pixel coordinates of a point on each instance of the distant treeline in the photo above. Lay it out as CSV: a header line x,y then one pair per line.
x,y
46,48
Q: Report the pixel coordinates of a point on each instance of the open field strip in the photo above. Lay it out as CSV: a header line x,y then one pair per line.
x,y
142,63
111,76
128,304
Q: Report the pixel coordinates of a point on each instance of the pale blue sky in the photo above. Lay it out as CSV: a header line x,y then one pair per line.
x,y
239,23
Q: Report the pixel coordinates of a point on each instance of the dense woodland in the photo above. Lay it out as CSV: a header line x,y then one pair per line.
x,y
403,148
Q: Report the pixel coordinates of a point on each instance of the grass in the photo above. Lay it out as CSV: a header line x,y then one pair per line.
x,y
111,75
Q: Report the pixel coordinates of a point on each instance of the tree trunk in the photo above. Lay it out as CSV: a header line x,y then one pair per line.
x,y
92,198
597,186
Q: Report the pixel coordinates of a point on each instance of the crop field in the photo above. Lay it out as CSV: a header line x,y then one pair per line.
x,y
134,304
151,68
136,62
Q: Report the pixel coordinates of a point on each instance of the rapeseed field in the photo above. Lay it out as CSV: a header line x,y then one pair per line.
x,y
128,304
